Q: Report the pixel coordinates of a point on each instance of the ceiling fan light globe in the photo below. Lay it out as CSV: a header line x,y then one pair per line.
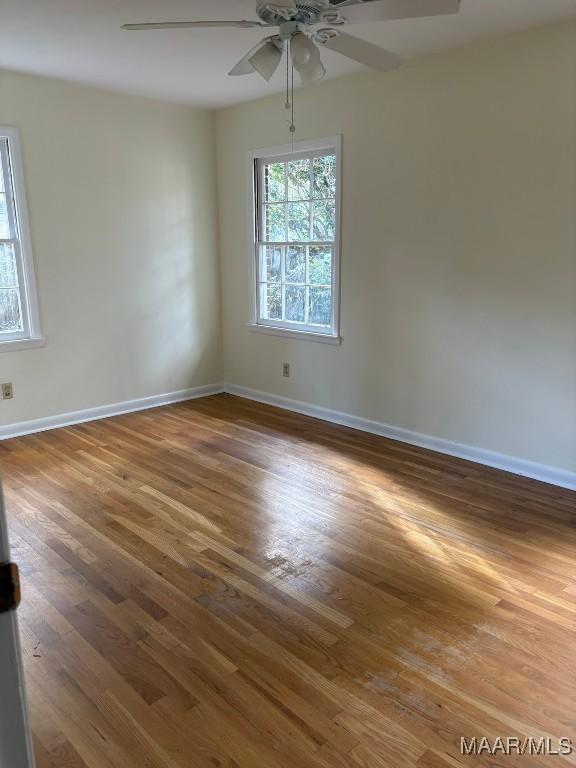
x,y
305,54
313,74
301,59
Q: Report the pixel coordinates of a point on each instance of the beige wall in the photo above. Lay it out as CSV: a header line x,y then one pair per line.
x,y
459,247
458,262
121,194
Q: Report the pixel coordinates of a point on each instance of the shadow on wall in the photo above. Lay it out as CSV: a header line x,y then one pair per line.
x,y
178,298
176,302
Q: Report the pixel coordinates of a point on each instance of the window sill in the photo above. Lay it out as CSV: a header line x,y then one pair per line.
x,y
287,333
21,344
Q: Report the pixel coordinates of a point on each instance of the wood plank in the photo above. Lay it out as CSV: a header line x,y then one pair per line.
x,y
223,583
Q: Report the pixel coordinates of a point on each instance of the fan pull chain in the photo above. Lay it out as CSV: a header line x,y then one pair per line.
x,y
292,126
287,105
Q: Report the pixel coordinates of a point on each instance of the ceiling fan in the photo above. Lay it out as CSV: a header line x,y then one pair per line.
x,y
303,25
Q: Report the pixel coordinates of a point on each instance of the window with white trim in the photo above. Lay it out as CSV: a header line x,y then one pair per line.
x,y
18,304
296,194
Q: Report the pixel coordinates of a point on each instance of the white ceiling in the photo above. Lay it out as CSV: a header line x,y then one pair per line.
x,y
81,40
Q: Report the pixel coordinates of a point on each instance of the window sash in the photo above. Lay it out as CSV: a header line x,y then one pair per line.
x,y
305,325
24,333
262,280
15,240
260,170
284,280
8,189
260,205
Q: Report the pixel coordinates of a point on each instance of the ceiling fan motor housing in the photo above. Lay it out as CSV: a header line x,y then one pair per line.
x,y
308,11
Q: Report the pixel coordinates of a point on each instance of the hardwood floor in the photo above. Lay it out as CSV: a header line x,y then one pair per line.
x,y
222,584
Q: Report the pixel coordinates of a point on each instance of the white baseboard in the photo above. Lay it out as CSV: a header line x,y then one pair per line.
x,y
560,477
105,411
547,474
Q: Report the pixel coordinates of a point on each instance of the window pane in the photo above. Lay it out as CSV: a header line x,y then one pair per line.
x,y
8,273
296,264
274,182
4,227
320,306
320,266
270,302
325,176
295,303
324,220
10,314
271,264
275,224
298,221
299,180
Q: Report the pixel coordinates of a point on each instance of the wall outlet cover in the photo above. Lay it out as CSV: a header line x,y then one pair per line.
x,y
7,391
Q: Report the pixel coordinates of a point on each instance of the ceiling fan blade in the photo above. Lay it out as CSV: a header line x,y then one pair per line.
x,y
191,25
361,50
359,11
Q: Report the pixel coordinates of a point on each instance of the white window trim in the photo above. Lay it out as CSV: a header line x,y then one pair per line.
x,y
333,144
32,336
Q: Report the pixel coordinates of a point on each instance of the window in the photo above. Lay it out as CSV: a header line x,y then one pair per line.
x,y
295,242
18,307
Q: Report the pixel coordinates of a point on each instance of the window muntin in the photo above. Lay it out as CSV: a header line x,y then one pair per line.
x,y
296,206
18,316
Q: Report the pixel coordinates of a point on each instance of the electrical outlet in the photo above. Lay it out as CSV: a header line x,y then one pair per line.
x,y
7,391
286,370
